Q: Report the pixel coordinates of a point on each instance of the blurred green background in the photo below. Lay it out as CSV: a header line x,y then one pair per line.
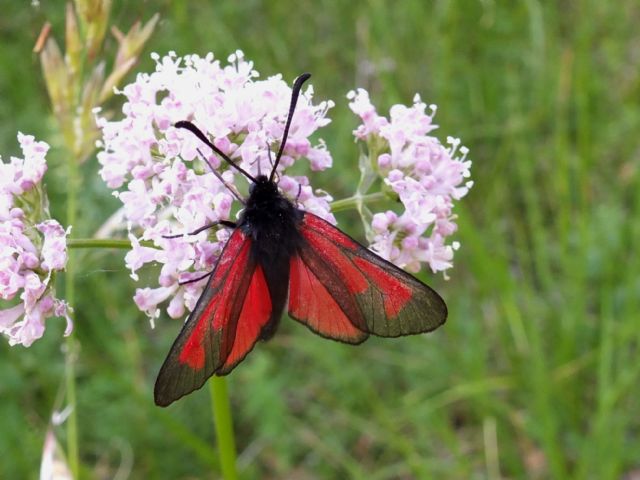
x,y
536,373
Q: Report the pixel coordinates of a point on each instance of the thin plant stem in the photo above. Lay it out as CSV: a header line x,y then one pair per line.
x,y
73,455
70,351
224,427
356,200
104,243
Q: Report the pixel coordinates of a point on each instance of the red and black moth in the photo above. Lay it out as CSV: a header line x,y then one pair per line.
x,y
278,257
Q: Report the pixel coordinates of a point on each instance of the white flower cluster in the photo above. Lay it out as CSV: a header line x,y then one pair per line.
x,y
32,248
148,160
426,176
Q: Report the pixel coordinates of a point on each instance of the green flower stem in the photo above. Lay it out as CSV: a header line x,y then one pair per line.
x,y
73,454
224,427
70,343
104,243
356,200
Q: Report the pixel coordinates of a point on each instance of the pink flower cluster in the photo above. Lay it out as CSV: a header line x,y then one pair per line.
x,y
158,174
32,248
425,175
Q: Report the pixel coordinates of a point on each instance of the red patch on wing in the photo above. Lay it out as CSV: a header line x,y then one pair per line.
x,y
395,291
235,263
331,253
193,352
255,313
218,308
311,304
324,228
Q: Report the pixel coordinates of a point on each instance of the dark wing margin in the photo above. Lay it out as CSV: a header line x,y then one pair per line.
x,y
342,290
223,327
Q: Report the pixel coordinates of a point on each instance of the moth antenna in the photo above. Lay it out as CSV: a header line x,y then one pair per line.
x,y
295,93
269,155
229,186
203,138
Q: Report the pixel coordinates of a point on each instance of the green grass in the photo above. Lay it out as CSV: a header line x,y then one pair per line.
x,y
537,372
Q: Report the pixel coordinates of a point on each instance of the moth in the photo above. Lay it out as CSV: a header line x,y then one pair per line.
x,y
279,257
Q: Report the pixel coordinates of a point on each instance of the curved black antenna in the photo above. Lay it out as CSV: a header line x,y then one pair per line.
x,y
297,86
198,133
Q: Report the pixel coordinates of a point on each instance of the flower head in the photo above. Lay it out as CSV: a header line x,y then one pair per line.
x,y
158,172
32,248
425,175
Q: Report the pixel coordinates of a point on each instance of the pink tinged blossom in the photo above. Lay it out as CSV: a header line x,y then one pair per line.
x,y
138,256
34,161
177,256
176,305
30,260
381,221
148,299
320,158
29,327
10,315
191,294
439,255
17,257
34,287
11,280
63,309
316,202
6,200
159,174
31,249
384,161
54,247
22,174
137,202
427,177
222,204
361,105
25,322
8,185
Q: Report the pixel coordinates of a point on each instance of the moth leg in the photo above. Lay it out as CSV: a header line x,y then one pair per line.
x,y
299,193
224,223
230,187
194,280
